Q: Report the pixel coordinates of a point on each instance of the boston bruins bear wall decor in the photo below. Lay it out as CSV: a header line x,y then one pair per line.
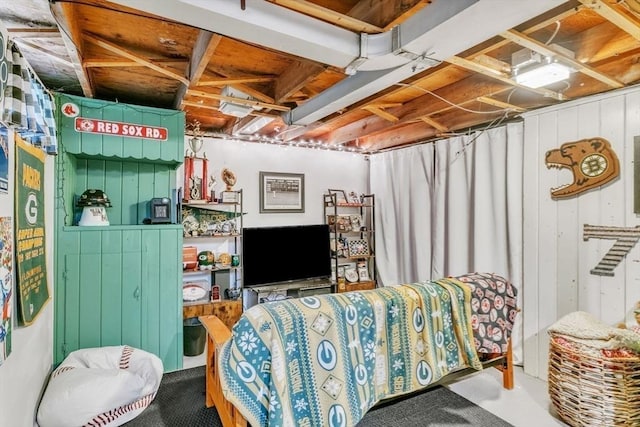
x,y
592,162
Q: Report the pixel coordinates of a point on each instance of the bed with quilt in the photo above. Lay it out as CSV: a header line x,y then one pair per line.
x,y
327,359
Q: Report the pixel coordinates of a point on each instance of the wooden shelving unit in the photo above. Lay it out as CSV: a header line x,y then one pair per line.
x,y
352,229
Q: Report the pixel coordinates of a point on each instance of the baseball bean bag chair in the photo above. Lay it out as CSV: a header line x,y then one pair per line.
x,y
105,386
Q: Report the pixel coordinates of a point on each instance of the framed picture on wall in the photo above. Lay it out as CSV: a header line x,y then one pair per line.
x,y
281,192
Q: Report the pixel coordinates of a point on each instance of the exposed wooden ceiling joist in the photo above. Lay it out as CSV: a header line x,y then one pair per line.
x,y
295,77
201,54
112,47
28,32
435,124
500,104
247,102
528,42
49,53
329,15
495,74
381,113
65,16
616,17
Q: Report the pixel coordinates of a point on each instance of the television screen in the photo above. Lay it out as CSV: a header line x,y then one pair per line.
x,y
286,253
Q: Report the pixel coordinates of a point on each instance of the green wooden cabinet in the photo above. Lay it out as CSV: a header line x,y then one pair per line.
x,y
117,284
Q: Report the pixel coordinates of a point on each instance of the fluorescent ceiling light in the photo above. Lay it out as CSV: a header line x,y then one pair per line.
x,y
542,75
255,125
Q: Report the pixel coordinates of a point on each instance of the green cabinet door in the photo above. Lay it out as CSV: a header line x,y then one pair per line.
x,y
118,286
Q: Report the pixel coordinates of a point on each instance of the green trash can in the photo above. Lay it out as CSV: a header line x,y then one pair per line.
x,y
194,336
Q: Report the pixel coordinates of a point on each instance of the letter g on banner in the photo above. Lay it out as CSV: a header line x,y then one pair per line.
x,y
31,209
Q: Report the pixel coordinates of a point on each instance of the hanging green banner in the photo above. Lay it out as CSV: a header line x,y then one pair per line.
x,y
33,292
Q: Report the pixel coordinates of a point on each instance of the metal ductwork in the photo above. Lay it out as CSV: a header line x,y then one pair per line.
x,y
374,62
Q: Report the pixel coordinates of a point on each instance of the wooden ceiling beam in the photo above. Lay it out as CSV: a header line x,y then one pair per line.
x,y
434,124
408,13
527,42
415,109
495,74
504,105
112,47
49,53
610,13
602,42
64,14
294,78
328,15
204,49
552,19
125,63
28,32
382,13
223,81
247,102
419,132
202,52
381,113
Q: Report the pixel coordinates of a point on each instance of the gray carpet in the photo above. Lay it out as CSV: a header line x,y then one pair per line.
x,y
180,403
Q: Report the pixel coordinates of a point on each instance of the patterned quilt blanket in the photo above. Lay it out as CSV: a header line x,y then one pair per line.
x,y
325,360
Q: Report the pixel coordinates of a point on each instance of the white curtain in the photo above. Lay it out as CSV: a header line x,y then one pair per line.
x,y
451,207
402,182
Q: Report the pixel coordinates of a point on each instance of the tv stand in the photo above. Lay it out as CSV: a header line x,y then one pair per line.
x,y
275,291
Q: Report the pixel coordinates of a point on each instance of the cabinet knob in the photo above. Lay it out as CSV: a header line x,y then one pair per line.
x,y
136,293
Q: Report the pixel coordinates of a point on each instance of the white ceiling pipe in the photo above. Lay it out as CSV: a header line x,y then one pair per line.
x,y
436,32
439,31
261,23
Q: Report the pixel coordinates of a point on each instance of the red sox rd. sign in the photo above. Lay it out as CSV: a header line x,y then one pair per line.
x,y
130,130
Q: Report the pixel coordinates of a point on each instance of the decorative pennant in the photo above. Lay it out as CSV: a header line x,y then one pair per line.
x,y
33,292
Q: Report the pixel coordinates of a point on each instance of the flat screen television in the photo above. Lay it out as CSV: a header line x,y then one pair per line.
x,y
272,255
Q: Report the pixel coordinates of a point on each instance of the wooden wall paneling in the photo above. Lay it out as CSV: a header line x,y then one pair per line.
x,y
111,291
548,243
589,212
153,149
612,202
632,129
113,145
69,303
146,189
558,260
170,303
133,146
531,239
150,283
569,230
90,303
124,284
132,260
129,192
113,188
90,143
95,174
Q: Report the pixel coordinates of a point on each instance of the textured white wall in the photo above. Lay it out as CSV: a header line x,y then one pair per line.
x,y
322,170
557,259
25,372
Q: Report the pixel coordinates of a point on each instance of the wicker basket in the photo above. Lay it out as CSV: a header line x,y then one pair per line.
x,y
589,389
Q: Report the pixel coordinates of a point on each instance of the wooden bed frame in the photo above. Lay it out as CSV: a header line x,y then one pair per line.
x,y
218,333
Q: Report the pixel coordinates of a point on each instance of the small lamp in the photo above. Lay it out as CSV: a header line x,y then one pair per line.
x,y
93,203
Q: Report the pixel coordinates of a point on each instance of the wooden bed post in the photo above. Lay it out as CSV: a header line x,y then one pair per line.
x,y
217,334
507,368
